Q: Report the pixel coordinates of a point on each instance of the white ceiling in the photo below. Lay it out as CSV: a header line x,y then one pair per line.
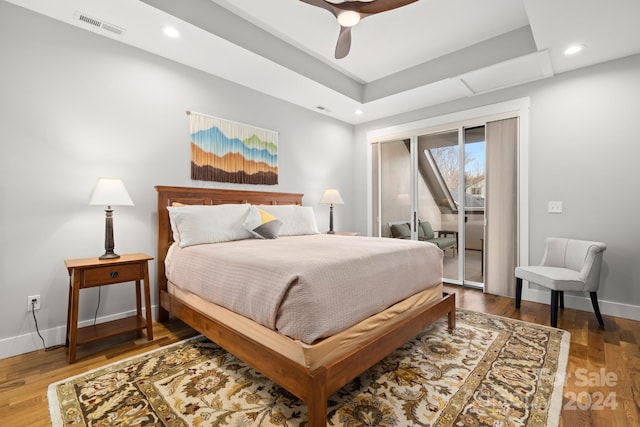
x,y
422,54
388,42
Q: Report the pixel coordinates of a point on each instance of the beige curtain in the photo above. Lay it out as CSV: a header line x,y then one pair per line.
x,y
501,207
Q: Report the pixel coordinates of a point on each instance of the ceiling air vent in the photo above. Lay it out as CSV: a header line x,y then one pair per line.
x,y
323,108
83,17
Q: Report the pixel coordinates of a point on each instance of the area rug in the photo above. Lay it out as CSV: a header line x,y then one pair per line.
x,y
491,371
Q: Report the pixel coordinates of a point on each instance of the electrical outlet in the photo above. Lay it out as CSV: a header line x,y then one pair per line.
x,y
33,303
554,207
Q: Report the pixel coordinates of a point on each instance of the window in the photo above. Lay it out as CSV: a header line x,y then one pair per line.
x,y
444,163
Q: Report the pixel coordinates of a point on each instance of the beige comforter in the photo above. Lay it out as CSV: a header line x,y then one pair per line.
x,y
306,287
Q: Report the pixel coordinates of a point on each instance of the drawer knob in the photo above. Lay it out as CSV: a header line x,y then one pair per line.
x,y
113,274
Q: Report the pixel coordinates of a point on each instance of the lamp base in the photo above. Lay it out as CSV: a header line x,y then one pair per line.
x,y
331,220
108,236
109,255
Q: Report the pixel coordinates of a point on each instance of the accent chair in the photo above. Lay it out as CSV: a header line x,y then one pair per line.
x,y
567,265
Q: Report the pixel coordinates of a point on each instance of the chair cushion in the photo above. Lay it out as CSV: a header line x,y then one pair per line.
x,y
426,228
421,235
443,242
556,278
402,231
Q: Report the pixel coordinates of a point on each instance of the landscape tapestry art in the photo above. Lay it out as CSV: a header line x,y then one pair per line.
x,y
226,151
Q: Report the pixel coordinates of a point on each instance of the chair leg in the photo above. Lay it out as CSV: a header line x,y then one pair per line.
x,y
518,291
554,308
596,308
561,299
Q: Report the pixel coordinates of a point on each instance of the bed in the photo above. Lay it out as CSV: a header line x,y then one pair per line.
x,y
311,371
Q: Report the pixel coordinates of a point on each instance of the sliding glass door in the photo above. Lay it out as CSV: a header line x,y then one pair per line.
x,y
465,173
404,201
437,178
474,208
452,163
396,186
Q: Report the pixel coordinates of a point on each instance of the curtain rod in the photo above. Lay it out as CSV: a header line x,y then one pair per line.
x,y
189,112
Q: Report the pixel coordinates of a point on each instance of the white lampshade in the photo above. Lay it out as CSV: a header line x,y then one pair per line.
x,y
110,192
331,197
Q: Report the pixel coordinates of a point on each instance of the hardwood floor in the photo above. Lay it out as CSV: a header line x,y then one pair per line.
x,y
602,386
473,270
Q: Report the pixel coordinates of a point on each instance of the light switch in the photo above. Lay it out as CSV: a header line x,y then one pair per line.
x,y
554,207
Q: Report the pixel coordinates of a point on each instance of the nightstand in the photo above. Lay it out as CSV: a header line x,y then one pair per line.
x,y
91,272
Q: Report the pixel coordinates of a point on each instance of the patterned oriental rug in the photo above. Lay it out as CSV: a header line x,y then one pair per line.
x,y
492,371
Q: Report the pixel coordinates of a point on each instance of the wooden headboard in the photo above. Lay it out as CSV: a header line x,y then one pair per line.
x,y
205,196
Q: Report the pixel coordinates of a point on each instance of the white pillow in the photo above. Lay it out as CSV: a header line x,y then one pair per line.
x,y
198,224
296,220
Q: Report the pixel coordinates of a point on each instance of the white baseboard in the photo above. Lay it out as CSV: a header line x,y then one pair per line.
x,y
27,343
609,308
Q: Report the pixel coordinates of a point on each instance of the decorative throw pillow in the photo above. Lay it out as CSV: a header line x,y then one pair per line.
x,y
198,224
401,231
296,220
262,224
421,235
427,230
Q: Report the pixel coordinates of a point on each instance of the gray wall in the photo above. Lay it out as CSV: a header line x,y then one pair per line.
x,y
584,149
75,106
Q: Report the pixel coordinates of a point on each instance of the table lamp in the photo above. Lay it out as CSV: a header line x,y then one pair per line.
x,y
109,192
331,197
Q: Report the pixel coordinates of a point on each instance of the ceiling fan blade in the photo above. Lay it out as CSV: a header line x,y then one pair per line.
x,y
324,5
344,42
364,9
378,6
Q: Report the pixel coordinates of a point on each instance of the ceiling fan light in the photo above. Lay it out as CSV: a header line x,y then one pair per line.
x,y
348,18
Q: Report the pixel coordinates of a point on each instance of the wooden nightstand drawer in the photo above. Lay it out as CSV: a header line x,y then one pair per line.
x,y
112,274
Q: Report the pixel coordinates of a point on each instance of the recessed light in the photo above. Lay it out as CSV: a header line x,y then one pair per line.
x,y
573,49
359,112
171,32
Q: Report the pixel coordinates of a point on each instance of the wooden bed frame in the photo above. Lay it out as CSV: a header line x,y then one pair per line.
x,y
312,386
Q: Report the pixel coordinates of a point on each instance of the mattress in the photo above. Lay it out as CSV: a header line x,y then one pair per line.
x,y
306,287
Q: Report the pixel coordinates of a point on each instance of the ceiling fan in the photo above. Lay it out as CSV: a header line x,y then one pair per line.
x,y
349,13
